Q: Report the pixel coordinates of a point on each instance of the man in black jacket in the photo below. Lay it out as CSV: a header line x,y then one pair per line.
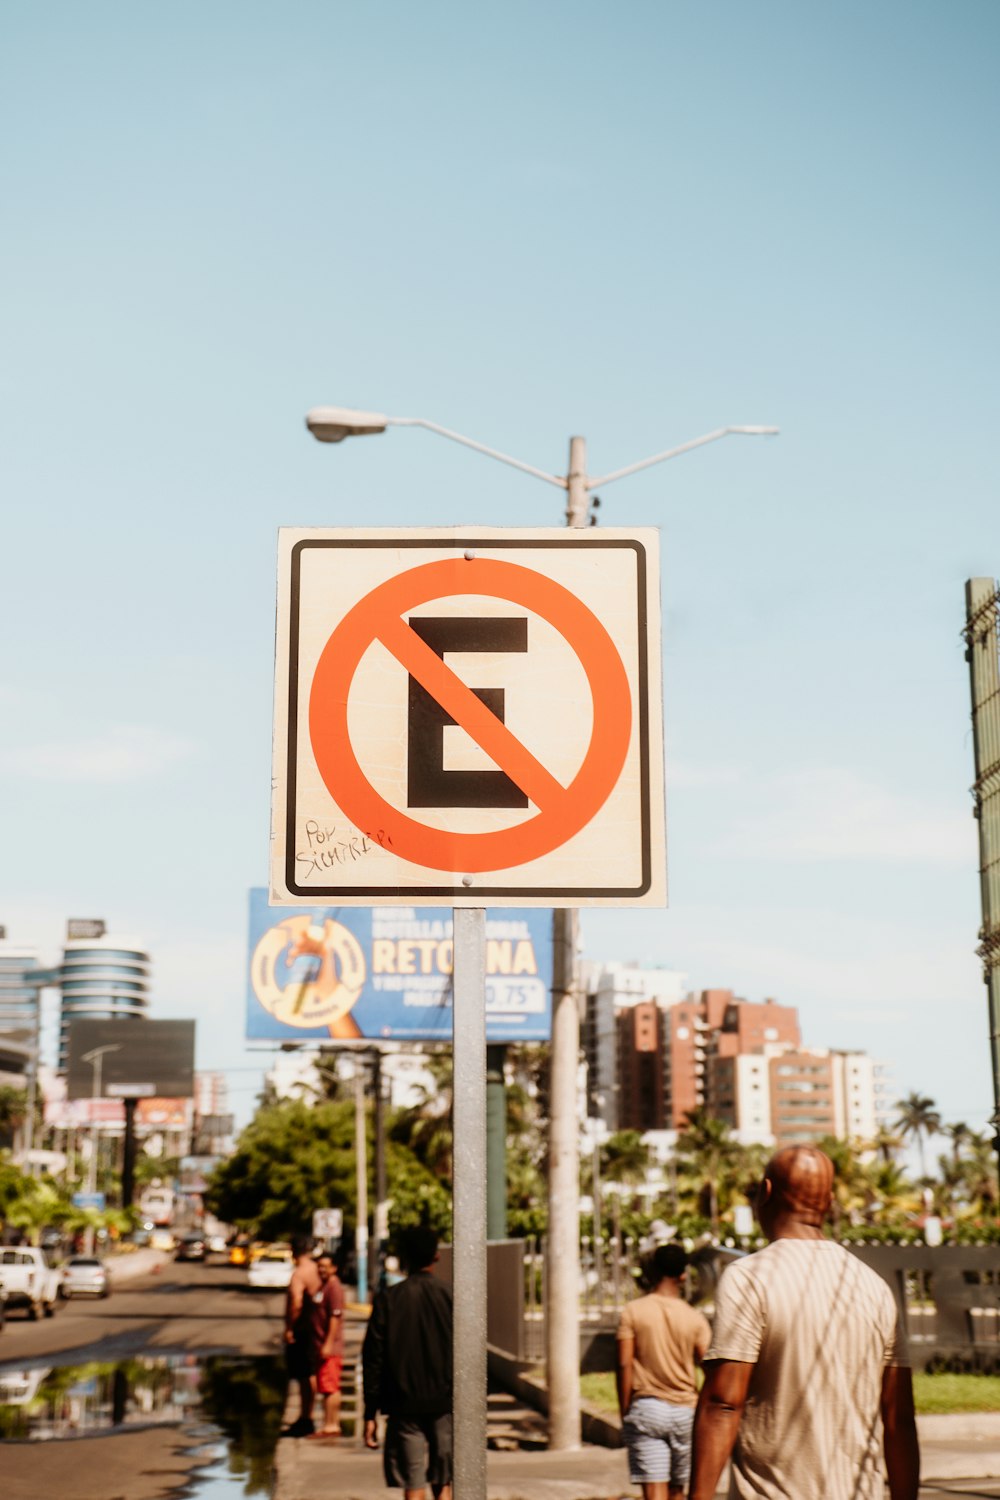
x,y
407,1371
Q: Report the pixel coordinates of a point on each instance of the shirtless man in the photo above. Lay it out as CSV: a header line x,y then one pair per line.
x,y
806,1363
302,1288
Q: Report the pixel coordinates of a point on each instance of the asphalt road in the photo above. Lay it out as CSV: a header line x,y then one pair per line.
x,y
186,1307
197,1309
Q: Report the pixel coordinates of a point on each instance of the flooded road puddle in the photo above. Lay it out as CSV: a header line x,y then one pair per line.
x,y
226,1412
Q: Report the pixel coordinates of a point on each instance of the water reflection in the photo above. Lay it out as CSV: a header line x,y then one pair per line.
x,y
242,1399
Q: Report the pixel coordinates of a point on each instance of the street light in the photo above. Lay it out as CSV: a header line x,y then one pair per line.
x,y
331,424
96,1059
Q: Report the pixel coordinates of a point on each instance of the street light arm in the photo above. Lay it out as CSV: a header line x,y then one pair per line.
x,y
456,437
699,442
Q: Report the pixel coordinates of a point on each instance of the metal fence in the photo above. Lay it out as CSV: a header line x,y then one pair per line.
x,y
607,1282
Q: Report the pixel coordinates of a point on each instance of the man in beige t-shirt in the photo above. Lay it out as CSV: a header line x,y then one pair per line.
x,y
806,1362
660,1340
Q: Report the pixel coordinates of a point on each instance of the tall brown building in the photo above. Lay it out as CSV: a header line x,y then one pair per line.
x,y
641,1057
712,1026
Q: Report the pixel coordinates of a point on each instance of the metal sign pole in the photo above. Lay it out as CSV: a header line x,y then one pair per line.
x,y
469,1201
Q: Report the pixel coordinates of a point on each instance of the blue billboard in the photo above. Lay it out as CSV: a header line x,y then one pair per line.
x,y
383,973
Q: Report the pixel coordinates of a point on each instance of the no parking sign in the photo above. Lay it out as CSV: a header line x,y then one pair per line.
x,y
468,716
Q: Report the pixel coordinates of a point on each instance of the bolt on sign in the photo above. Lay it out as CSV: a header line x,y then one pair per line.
x,y
468,716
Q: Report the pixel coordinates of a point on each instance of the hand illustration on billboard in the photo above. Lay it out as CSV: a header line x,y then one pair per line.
x,y
309,974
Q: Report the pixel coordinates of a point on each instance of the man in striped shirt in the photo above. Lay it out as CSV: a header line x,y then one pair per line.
x,y
807,1368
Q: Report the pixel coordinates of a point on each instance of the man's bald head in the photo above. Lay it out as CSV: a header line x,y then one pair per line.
x,y
798,1186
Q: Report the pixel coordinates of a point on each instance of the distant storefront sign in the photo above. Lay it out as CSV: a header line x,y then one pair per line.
x,y
79,929
89,1200
357,973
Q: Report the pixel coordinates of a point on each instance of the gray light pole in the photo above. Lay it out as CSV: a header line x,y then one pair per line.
x,y
982,636
331,424
96,1059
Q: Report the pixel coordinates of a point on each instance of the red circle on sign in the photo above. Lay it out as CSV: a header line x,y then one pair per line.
x,y
562,811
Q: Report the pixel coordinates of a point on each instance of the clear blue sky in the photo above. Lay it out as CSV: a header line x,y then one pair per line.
x,y
522,222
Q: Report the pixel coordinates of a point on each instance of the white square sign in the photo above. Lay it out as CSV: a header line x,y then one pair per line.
x,y
468,717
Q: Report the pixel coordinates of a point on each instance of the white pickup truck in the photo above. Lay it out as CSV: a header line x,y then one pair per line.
x,y
29,1281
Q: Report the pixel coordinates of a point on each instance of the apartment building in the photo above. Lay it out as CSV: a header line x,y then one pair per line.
x,y
785,1094
711,1027
654,1054
614,1068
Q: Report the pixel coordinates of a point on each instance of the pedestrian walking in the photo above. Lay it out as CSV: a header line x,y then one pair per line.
x,y
304,1285
406,1360
327,1312
660,1342
807,1367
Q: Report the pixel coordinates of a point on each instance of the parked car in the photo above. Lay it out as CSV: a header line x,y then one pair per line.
x,y
29,1280
85,1276
191,1247
272,1269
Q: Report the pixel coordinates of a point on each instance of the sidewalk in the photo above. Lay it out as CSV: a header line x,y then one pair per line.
x,y
952,1447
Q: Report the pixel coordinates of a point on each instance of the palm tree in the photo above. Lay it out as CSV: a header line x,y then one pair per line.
x,y
713,1156
849,1177
886,1142
958,1134
426,1126
918,1117
979,1173
13,1111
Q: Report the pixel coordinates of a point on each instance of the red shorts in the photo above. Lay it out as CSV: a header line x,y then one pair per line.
x,y
328,1375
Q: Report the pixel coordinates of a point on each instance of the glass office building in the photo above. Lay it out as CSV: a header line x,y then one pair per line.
x,y
101,977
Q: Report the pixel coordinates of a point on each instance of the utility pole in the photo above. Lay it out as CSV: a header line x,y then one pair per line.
x,y
982,635
96,1059
361,1172
562,1321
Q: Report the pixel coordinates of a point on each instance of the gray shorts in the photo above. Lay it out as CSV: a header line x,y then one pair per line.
x,y
658,1438
418,1452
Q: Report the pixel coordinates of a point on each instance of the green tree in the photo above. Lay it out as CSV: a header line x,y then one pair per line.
x,y
13,1111
37,1204
291,1159
850,1179
526,1188
295,1157
979,1175
709,1153
958,1134
886,1142
426,1126
918,1118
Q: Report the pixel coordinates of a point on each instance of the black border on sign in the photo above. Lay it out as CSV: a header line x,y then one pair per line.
x,y
457,890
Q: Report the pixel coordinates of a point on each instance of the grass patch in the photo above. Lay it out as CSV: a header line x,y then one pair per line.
x,y
599,1388
932,1393
944,1392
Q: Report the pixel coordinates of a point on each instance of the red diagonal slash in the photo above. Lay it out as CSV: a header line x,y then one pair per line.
x,y
479,722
